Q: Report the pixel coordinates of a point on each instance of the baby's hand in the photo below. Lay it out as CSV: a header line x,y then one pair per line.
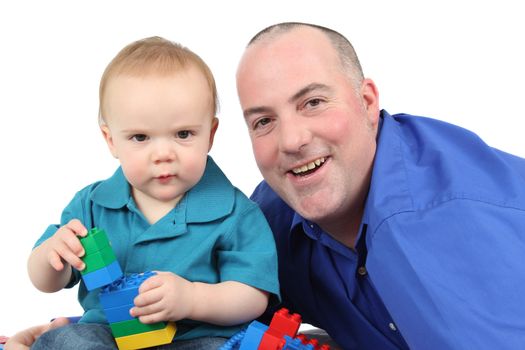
x,y
163,297
65,247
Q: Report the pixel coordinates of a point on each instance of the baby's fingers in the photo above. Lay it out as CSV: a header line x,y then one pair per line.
x,y
69,256
55,261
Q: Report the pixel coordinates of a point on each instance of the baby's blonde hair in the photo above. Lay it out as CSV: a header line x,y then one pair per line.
x,y
154,55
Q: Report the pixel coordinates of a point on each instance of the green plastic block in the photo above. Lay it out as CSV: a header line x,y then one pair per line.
x,y
95,240
134,326
98,260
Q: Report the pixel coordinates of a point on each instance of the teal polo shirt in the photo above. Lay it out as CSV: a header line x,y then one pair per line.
x,y
214,234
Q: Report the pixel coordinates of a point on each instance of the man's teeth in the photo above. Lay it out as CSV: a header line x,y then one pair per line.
x,y
309,166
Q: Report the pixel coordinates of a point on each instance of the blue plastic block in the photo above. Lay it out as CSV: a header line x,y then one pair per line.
x,y
253,336
1,346
123,291
234,342
295,344
119,313
103,276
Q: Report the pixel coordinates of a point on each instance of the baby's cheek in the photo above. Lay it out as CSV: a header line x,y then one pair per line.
x,y
133,171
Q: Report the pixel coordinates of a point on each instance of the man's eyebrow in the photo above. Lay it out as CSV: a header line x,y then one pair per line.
x,y
307,89
304,91
255,110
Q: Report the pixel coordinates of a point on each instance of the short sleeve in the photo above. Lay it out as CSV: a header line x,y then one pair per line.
x,y
248,254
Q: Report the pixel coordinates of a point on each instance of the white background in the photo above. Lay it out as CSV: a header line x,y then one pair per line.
x,y
460,61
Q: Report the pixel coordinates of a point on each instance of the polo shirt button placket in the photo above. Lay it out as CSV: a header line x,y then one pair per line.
x,y
362,271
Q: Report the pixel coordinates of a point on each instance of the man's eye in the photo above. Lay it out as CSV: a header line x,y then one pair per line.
x,y
183,134
314,102
262,122
139,137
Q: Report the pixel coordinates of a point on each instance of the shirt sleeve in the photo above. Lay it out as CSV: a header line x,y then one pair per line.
x,y
248,254
453,276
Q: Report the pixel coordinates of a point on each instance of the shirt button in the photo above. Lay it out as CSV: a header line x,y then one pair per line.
x,y
361,270
392,326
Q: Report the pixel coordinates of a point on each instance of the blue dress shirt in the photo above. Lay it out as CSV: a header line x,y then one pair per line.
x,y
440,257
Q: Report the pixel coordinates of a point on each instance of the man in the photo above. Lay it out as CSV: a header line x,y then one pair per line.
x,y
392,231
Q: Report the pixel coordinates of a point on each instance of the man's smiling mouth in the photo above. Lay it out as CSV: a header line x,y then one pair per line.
x,y
309,167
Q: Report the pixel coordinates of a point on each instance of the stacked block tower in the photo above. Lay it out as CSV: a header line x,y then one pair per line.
x,y
102,267
117,294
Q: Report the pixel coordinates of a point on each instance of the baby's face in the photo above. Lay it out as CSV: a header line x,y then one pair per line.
x,y
161,129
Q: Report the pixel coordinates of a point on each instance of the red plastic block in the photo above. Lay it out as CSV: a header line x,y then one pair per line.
x,y
285,323
271,340
314,342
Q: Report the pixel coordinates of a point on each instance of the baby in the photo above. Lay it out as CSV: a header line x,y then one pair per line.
x,y
167,208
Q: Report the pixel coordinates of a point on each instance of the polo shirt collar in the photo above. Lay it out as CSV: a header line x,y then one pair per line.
x,y
210,199
113,193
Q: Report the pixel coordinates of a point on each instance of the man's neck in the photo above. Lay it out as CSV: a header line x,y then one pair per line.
x,y
344,229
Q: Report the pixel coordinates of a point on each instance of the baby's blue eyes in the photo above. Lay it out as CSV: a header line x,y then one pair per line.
x,y
139,137
184,134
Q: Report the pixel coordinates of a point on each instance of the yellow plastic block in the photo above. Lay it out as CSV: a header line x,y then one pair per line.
x,y
147,339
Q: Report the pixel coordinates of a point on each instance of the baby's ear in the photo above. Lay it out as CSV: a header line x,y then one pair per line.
x,y
214,126
106,133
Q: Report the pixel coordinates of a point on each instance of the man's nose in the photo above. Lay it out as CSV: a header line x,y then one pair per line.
x,y
294,133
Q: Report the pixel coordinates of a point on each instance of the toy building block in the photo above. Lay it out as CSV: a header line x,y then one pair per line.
x,y
97,260
123,290
313,342
119,313
296,344
234,342
95,240
134,326
129,333
285,323
147,339
253,336
102,267
103,276
279,335
271,341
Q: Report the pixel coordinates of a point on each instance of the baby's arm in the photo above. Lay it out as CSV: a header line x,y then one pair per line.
x,y
168,297
50,264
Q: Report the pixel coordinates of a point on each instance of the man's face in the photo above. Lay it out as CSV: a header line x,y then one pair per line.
x,y
312,130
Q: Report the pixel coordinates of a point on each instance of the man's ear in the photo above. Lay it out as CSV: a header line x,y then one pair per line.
x,y
214,126
370,97
106,133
